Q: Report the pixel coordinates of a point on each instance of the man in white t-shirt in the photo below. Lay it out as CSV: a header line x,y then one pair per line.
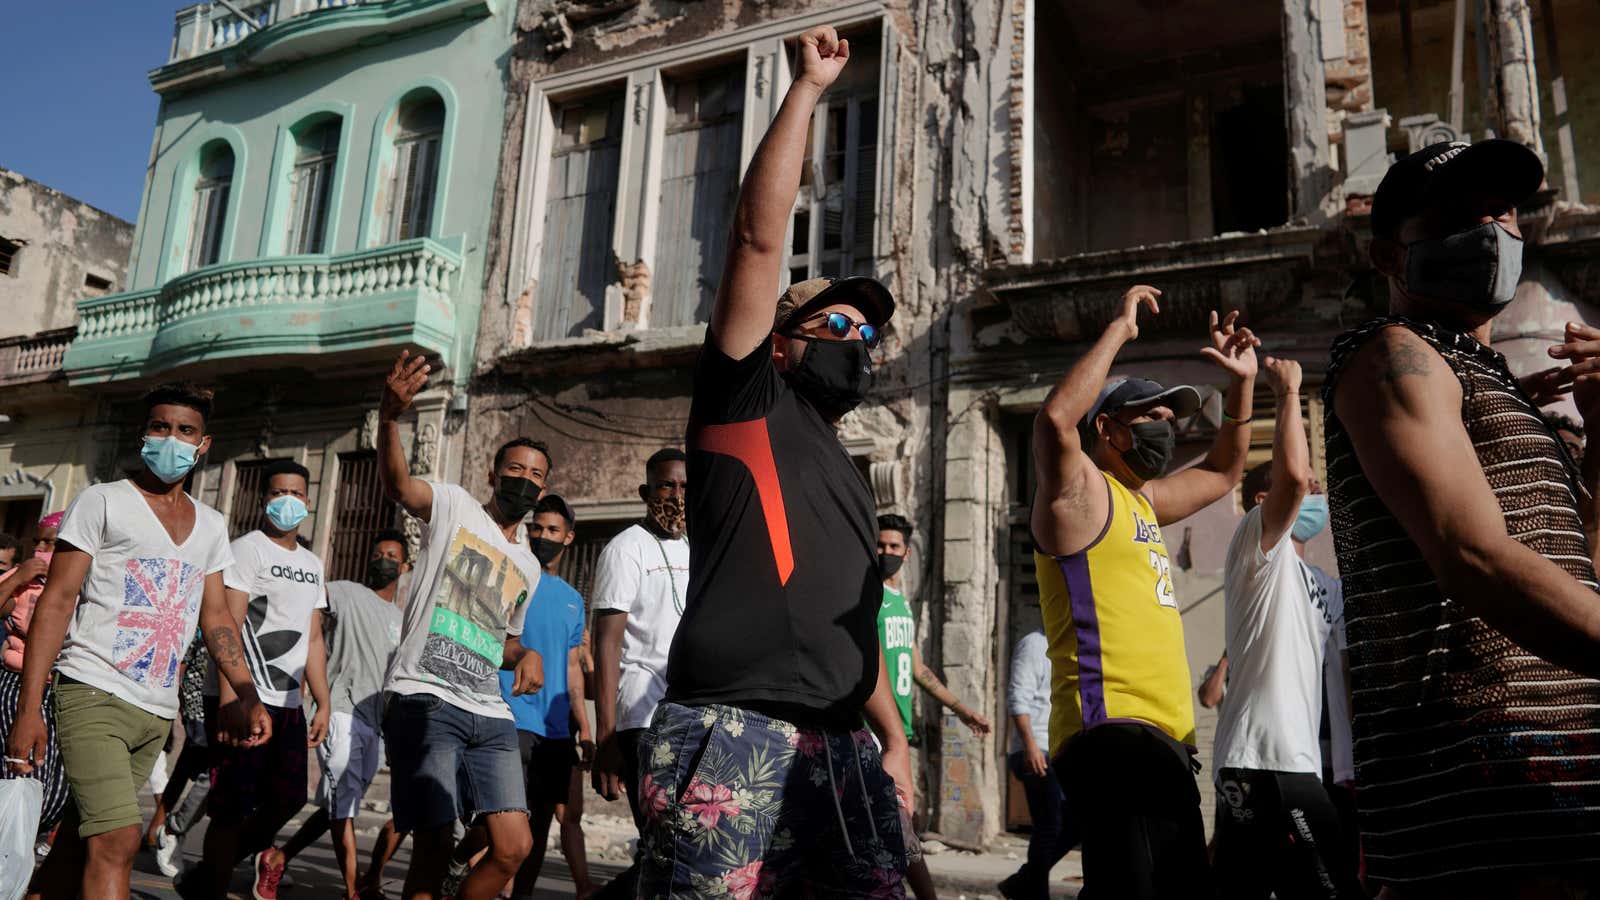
x,y
450,736
276,592
640,584
137,564
1277,830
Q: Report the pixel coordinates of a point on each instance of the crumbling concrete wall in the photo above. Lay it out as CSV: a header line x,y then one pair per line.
x,y
66,241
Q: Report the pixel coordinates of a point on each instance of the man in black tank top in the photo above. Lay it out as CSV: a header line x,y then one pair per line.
x,y
1466,539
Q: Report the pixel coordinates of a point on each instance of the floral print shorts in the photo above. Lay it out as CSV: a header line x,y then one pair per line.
x,y
737,804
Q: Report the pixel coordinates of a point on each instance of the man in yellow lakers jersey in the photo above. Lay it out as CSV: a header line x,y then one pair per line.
x,y
1121,721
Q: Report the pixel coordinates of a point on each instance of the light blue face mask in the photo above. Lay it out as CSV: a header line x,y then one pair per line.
x,y
1478,268
168,458
1312,519
286,512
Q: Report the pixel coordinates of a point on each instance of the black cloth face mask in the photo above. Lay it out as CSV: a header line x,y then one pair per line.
x,y
516,496
382,572
1152,447
834,375
889,563
545,550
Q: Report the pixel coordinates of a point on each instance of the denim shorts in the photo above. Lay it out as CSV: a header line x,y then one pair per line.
x,y
446,763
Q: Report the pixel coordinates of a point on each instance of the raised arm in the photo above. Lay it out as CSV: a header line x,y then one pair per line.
x,y
46,633
394,473
1291,458
747,297
1185,493
1581,376
1401,406
1070,500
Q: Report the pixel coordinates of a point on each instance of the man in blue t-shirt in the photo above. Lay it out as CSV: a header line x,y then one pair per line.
x,y
552,626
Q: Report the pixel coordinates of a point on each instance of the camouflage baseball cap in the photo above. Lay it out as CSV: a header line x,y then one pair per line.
x,y
866,294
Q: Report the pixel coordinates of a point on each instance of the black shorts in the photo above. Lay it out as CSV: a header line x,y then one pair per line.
x,y
546,767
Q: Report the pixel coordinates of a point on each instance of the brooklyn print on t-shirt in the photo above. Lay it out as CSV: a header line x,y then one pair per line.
x,y
472,600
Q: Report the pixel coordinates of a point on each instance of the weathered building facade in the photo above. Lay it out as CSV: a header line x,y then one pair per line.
x,y
1008,169
54,250
316,201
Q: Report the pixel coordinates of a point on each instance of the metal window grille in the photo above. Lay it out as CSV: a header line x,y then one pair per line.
x,y
361,511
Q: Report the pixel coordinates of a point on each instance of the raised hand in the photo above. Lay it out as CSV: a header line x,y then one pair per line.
x,y
1581,375
1233,349
1283,375
1136,296
823,55
404,382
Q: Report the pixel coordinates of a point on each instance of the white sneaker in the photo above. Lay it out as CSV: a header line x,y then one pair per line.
x,y
168,851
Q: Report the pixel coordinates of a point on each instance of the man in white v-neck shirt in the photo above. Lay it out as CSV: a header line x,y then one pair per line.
x,y
275,591
137,564
640,583
451,738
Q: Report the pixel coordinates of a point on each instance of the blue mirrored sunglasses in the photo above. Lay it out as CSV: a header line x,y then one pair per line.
x,y
840,325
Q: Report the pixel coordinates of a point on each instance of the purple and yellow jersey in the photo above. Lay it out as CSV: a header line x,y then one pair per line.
x,y
1116,639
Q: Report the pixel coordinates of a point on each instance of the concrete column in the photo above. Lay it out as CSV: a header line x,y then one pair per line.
x,y
1305,89
969,782
1514,90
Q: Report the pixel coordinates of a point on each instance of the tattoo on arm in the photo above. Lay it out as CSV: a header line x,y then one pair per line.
x,y
1402,359
226,647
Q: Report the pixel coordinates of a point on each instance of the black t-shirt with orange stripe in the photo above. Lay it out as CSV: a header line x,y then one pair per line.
x,y
783,583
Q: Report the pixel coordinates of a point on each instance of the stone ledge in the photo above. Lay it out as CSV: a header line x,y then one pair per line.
x,y
599,351
1073,299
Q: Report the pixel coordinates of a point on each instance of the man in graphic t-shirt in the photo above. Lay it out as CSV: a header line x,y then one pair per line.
x,y
450,735
365,626
137,564
641,582
275,590
897,635
777,654
1268,760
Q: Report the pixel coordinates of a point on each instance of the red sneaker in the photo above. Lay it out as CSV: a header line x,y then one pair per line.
x,y
268,874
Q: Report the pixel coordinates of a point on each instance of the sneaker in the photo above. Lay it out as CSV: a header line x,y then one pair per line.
x,y
453,879
268,877
167,850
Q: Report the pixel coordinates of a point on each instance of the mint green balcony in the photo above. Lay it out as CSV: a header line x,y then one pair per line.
x,y
356,306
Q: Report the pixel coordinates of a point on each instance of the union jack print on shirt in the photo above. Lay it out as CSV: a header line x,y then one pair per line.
x,y
159,599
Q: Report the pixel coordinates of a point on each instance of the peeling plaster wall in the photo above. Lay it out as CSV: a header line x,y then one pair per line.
x,y
67,241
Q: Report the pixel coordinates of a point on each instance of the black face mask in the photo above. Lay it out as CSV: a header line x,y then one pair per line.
x,y
382,572
834,375
888,564
1151,452
515,496
545,550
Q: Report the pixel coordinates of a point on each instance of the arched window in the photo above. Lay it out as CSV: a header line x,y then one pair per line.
x,y
210,204
311,184
416,166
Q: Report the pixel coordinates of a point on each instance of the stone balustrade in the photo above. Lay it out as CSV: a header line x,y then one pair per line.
x,y
205,27
34,357
292,304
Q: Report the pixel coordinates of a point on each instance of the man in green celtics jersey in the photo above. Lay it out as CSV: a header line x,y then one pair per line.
x,y
897,634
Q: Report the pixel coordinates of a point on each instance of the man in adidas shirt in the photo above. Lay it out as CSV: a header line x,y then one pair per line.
x,y
275,591
897,634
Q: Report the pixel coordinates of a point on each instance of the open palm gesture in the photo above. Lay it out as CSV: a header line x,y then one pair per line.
x,y
1232,349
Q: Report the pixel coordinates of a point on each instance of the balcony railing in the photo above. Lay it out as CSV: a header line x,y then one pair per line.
x,y
311,304
205,27
35,357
